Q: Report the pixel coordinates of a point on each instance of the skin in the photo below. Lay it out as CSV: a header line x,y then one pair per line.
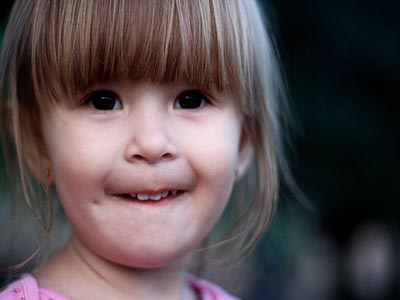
x,y
122,248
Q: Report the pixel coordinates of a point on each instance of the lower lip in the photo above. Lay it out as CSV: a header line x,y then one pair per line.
x,y
162,201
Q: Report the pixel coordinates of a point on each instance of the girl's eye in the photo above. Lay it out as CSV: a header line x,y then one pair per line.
x,y
103,100
190,99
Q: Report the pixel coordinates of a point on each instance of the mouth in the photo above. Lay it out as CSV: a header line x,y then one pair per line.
x,y
142,197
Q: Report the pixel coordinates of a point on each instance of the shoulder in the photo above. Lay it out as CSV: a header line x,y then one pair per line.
x,y
26,288
208,290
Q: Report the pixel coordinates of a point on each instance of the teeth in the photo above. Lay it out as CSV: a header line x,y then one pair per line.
x,y
155,197
143,197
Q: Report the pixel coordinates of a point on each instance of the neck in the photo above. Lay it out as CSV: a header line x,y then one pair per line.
x,y
79,274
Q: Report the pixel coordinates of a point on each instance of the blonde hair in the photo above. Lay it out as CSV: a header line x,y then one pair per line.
x,y
54,49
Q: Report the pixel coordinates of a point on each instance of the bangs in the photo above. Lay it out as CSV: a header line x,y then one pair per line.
x,y
80,43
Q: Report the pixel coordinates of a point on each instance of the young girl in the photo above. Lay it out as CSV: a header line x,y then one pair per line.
x,y
143,115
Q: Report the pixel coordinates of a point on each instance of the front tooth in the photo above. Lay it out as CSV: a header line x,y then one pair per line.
x,y
155,197
142,197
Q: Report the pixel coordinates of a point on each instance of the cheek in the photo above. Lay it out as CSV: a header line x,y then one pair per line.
x,y
70,158
77,161
214,153
216,148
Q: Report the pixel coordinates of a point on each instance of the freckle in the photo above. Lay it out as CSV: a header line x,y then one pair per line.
x,y
17,290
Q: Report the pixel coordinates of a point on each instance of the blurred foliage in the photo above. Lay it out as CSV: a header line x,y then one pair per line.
x,y
343,65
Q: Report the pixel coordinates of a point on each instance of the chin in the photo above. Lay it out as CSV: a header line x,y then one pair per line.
x,y
150,259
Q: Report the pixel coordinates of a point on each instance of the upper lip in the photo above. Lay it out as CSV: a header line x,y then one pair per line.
x,y
149,182
150,196
147,192
133,192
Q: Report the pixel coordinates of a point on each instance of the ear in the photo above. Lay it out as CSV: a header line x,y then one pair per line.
x,y
38,163
246,154
35,155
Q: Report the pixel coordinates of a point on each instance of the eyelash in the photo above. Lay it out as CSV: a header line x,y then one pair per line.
x,y
191,96
104,100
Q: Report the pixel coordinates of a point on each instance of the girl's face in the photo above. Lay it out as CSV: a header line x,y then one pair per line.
x,y
144,170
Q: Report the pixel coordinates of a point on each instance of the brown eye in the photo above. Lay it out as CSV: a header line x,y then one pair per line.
x,y
190,99
103,100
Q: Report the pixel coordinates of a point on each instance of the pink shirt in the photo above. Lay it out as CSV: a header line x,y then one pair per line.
x,y
27,288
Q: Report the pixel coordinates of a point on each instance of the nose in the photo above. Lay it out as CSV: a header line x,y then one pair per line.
x,y
150,141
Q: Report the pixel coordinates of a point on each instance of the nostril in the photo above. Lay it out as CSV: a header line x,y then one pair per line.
x,y
167,156
139,157
152,158
150,149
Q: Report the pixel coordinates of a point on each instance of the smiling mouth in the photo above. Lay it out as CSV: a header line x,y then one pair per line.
x,y
152,197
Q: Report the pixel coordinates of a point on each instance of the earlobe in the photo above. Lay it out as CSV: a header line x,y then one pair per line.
x,y
246,154
48,176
